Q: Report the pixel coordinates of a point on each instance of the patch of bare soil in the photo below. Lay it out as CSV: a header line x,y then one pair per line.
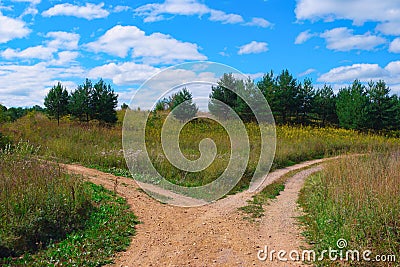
x,y
212,235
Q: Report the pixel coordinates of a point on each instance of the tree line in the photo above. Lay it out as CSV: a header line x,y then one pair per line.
x,y
357,106
13,113
87,102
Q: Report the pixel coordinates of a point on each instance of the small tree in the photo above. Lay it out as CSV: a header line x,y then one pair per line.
x,y
80,102
56,102
103,102
225,92
124,106
187,109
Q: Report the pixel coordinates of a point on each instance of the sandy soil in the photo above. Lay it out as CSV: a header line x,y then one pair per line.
x,y
212,235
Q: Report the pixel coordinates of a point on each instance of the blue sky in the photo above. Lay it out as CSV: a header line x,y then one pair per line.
x,y
126,42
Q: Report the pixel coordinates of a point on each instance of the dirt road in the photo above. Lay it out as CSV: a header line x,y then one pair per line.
x,y
210,235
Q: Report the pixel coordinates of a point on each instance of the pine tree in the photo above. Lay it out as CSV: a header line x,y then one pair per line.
x,y
103,102
351,106
56,102
80,104
187,109
324,105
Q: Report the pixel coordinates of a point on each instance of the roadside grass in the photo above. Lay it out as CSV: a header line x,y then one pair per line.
x,y
255,207
358,199
52,218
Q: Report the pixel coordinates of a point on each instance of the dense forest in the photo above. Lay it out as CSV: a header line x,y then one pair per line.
x,y
359,106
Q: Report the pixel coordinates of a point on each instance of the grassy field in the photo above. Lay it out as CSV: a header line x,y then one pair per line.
x,y
92,145
358,199
48,217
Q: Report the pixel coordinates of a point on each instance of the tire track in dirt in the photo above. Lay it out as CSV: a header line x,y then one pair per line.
x,y
212,235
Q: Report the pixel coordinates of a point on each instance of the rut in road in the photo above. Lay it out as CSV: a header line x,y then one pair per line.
x,y
212,235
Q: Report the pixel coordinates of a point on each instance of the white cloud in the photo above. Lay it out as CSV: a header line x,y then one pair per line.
x,y
394,46
303,37
33,82
154,48
386,12
11,29
33,2
217,15
34,52
259,22
127,73
89,11
156,12
308,71
364,72
63,40
60,41
118,9
64,58
342,39
29,11
253,48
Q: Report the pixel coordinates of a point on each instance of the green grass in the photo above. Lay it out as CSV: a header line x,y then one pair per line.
x,y
107,230
254,209
358,199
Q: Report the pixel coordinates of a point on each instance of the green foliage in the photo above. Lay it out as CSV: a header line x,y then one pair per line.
x,y
103,102
12,114
381,108
325,105
94,102
162,105
229,96
351,106
80,103
124,106
182,106
56,102
225,92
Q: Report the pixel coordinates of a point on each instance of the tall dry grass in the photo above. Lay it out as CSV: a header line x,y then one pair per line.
x,y
358,199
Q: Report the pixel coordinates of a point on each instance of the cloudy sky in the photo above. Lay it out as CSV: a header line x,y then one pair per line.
x,y
126,42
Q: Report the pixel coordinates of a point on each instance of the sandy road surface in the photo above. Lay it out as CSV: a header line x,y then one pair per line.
x,y
210,235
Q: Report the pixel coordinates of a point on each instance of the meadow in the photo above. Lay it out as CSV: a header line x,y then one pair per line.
x,y
101,147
